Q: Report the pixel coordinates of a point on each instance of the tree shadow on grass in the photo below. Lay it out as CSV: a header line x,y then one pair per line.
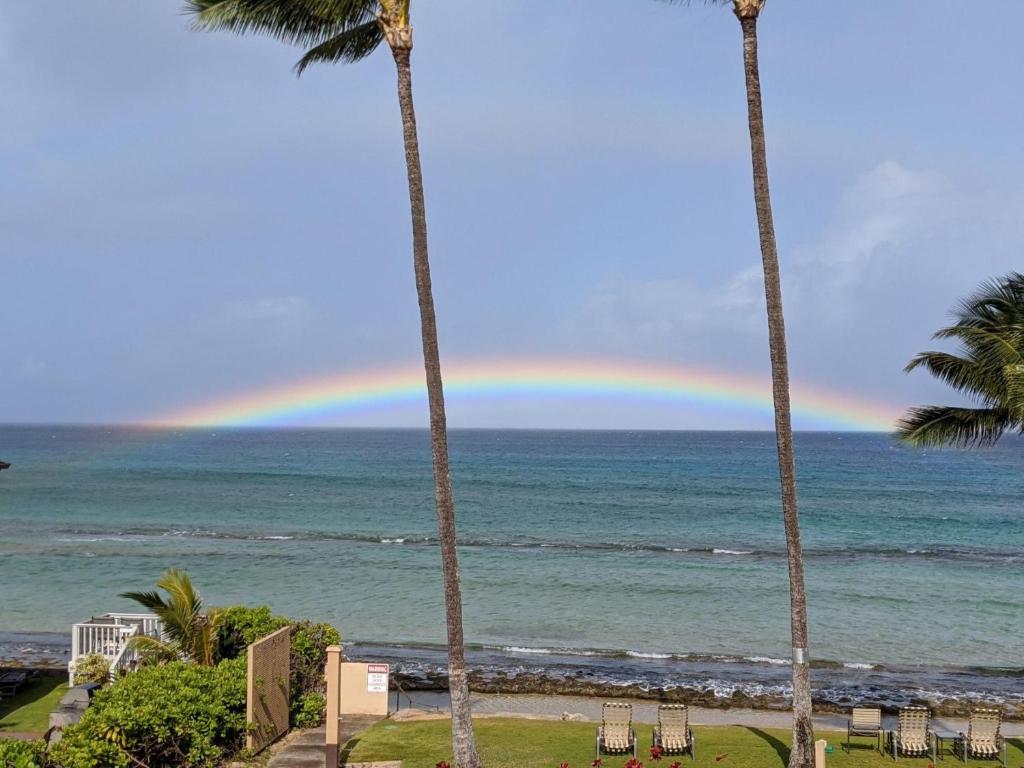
x,y
347,750
780,747
34,691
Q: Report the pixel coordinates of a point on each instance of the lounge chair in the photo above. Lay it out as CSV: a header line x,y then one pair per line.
x,y
672,734
11,682
983,738
616,734
864,721
913,735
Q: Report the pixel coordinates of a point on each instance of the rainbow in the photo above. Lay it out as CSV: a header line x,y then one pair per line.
x,y
329,397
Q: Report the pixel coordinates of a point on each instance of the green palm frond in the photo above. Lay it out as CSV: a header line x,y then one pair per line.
x,y
350,46
989,367
961,373
297,22
939,425
154,650
188,632
154,601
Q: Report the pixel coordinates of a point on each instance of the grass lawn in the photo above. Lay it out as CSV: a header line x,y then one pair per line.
x,y
29,710
513,743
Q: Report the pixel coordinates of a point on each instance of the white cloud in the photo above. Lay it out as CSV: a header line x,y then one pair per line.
x,y
280,316
901,247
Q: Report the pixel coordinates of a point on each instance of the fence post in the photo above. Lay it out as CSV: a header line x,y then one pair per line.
x,y
333,674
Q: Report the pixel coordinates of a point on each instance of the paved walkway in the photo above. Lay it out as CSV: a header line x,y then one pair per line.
x,y
589,708
306,749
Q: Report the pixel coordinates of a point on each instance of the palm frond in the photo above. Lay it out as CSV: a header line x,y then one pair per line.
x,y
961,373
938,425
989,366
152,649
350,46
154,601
297,22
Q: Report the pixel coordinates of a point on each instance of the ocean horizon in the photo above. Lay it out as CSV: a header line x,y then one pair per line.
x,y
653,559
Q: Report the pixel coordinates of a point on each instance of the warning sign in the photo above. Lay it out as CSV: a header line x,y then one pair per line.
x,y
377,678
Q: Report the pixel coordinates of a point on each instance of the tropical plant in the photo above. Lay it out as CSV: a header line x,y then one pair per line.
x,y
92,668
802,753
334,31
989,368
189,633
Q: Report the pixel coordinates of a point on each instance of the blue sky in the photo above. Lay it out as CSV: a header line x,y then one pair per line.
x,y
181,218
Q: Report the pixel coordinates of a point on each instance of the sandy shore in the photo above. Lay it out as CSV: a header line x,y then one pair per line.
x,y
426,704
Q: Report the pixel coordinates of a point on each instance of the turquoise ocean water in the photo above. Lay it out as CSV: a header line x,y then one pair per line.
x,y
648,548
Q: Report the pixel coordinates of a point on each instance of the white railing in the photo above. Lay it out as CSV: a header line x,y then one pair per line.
x,y
108,635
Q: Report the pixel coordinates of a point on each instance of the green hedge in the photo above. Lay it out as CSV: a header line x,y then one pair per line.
x,y
22,754
177,715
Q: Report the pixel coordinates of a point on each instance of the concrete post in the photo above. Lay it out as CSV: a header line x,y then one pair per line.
x,y
819,753
333,675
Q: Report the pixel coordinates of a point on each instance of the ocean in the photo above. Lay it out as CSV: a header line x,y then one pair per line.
x,y
650,562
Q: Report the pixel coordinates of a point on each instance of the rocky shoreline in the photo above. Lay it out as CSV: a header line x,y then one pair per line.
x,y
539,684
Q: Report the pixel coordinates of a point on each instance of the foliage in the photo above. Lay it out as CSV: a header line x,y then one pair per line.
x,y
177,714
989,368
310,710
92,668
241,626
22,754
332,30
309,657
189,633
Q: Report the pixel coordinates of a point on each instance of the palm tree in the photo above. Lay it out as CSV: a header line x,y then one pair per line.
x,y
348,31
802,753
188,632
989,368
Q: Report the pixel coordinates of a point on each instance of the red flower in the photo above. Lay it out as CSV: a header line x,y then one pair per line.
x,y
563,765
442,764
634,763
675,765
655,753
596,763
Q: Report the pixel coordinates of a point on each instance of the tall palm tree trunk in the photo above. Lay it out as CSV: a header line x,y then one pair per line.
x,y
802,754
463,740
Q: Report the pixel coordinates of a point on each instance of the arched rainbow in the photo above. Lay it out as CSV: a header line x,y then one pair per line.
x,y
304,401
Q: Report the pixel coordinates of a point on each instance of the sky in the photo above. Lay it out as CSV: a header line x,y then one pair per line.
x,y
182,219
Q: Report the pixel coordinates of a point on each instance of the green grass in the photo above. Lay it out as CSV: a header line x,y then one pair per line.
x,y
29,710
513,743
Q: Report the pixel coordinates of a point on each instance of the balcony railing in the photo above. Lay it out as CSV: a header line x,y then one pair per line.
x,y
108,635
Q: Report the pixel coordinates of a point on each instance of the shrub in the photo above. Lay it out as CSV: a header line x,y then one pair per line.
x,y
241,626
22,754
310,710
178,714
92,668
309,657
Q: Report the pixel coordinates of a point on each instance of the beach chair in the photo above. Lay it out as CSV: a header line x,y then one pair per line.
x,y
864,721
672,734
913,735
982,738
616,734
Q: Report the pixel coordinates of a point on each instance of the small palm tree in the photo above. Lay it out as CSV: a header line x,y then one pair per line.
x,y
989,368
189,633
802,753
334,31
